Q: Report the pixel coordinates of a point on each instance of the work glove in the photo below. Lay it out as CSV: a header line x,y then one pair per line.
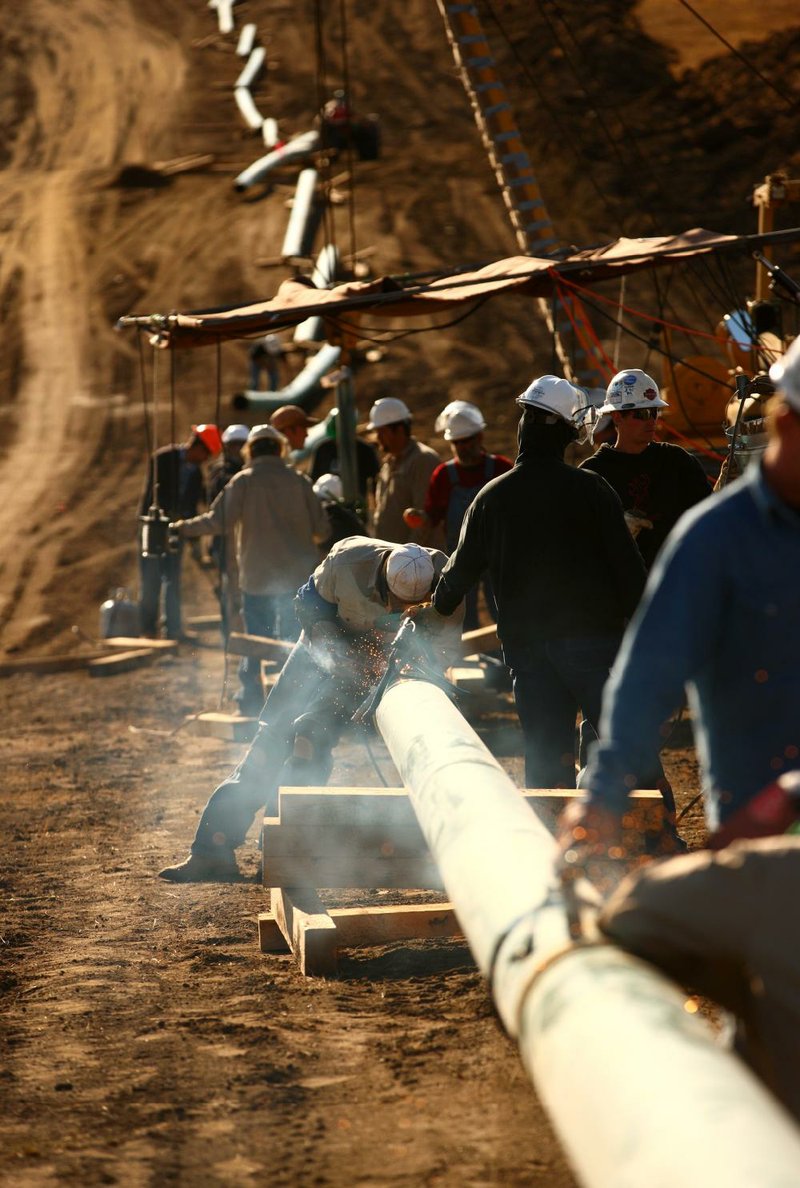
x,y
415,517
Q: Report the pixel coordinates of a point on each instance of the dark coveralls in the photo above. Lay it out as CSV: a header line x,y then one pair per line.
x,y
180,489
566,576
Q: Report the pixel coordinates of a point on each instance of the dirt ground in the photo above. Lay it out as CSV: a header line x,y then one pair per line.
x,y
146,1040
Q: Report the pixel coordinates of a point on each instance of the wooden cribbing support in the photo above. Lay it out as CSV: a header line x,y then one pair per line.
x,y
387,812
482,639
47,664
258,646
370,838
372,925
135,642
229,727
122,662
204,622
308,928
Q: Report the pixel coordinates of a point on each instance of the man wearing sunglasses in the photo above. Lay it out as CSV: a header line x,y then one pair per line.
x,y
656,482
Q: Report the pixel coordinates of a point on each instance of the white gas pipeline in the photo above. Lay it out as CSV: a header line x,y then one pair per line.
x,y
638,1089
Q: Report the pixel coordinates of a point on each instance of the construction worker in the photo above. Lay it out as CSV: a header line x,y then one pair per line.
x,y
342,520
405,472
350,610
656,482
265,357
279,522
173,488
223,547
325,458
454,484
719,621
294,423
565,573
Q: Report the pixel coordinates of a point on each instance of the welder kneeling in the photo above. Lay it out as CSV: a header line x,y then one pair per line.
x,y
350,610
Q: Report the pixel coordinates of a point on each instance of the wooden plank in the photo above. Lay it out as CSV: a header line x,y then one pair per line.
x,y
373,925
230,727
270,937
371,840
307,927
131,641
204,622
393,922
320,809
122,662
45,664
259,647
350,869
482,639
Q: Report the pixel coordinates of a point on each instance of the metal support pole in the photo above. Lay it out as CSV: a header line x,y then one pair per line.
x,y
638,1088
346,435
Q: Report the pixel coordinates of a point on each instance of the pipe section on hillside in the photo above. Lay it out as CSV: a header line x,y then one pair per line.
x,y
638,1089
296,238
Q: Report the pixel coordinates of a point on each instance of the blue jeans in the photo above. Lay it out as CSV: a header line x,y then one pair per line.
x,y
270,615
305,700
553,680
155,574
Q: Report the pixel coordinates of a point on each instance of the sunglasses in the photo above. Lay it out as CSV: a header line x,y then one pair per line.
x,y
642,414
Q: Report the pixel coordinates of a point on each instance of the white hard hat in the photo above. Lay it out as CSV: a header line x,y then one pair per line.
x,y
553,394
631,389
259,432
387,411
329,486
459,419
785,375
409,572
235,433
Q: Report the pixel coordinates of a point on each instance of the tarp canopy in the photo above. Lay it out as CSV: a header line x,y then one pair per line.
x,y
390,297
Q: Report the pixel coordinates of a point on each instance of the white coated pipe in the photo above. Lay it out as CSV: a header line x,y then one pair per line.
x,y
252,67
294,150
246,41
246,104
326,269
269,132
639,1091
295,236
224,15
622,1068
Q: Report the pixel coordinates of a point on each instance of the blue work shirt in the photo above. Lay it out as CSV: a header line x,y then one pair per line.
x,y
720,617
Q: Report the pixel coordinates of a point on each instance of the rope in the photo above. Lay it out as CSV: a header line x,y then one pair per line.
x,y
791,103
638,313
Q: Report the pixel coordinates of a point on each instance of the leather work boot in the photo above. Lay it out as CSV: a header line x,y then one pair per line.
x,y
203,868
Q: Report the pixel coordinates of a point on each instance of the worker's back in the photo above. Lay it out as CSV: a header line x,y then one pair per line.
x,y
561,560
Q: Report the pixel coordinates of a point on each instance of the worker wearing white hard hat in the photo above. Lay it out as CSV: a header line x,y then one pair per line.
x,y
454,484
565,572
350,608
718,622
656,481
405,471
343,520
